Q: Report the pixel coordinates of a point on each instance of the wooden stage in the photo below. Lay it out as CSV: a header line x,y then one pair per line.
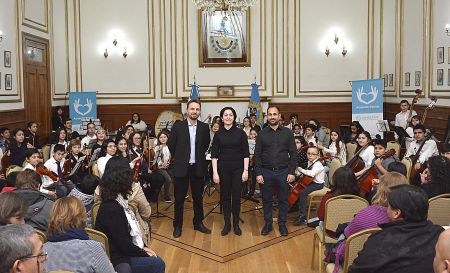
x,y
251,252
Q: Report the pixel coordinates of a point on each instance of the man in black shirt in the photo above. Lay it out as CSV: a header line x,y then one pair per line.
x,y
275,154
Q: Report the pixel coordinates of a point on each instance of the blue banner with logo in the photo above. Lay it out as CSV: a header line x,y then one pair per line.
x,y
367,103
82,106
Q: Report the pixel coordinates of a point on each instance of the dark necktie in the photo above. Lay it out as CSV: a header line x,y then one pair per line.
x,y
58,168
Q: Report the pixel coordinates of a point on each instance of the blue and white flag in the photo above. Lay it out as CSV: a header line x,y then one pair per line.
x,y
254,106
367,103
82,106
195,94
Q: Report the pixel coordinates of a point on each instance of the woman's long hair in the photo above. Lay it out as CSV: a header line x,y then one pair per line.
x,y
338,141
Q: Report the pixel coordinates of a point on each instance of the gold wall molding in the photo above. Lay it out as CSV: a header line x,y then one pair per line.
x,y
40,26
388,92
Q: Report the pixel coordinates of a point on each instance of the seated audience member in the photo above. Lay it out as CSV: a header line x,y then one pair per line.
x,y
137,198
39,204
21,250
18,147
60,139
441,263
118,222
31,136
71,134
446,151
68,246
85,193
11,177
435,179
138,124
344,182
90,135
397,166
407,242
13,208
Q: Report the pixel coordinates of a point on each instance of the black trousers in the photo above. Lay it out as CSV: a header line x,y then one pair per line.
x,y
180,187
230,173
151,185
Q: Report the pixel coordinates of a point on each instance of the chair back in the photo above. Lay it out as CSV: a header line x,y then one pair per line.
x,y
394,145
94,212
327,135
100,237
408,164
355,244
351,149
438,211
342,209
41,235
46,152
334,165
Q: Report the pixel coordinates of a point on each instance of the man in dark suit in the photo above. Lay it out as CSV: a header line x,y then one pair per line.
x,y
188,142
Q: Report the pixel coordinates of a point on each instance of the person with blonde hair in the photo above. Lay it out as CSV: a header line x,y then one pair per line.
x,y
68,246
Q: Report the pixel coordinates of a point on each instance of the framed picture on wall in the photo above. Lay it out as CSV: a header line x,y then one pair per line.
x,y
385,77
417,78
440,77
224,38
440,55
407,78
225,91
448,55
448,77
8,82
7,58
0,80
391,80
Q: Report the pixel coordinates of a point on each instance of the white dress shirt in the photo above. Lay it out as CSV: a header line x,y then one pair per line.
x,y
65,144
164,149
192,136
429,149
332,149
317,172
402,117
311,140
368,155
101,164
86,140
138,127
50,165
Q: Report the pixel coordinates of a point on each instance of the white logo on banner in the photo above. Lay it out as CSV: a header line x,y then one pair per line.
x,y
82,109
367,98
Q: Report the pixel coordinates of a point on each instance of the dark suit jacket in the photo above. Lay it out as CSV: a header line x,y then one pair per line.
x,y
180,148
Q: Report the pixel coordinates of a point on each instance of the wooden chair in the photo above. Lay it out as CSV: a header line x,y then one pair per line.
x,y
353,246
327,135
98,236
408,164
334,165
394,145
351,149
94,212
314,198
46,152
338,210
438,211
41,235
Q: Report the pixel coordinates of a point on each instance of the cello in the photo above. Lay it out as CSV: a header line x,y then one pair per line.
x,y
302,183
356,163
414,101
365,180
5,161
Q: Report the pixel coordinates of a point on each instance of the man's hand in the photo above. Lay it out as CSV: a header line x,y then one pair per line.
x,y
150,252
260,179
290,178
244,175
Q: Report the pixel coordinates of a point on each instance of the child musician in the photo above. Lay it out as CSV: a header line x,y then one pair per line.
x,y
56,165
310,135
315,170
381,165
162,154
250,191
74,156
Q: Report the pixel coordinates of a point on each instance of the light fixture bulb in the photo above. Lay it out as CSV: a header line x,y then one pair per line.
x,y
115,41
327,51
1,35
125,54
105,54
344,51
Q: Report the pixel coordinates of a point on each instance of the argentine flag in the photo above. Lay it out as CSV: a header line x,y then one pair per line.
x,y
254,105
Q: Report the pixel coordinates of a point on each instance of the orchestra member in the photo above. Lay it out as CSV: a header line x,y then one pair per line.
x,y
56,165
230,159
61,134
275,165
32,159
128,131
310,135
315,170
111,150
101,136
368,154
18,147
302,157
138,124
5,135
446,151
428,150
74,156
71,134
188,143
336,148
31,135
90,135
293,120
250,192
253,122
356,129
320,133
415,120
381,165
162,155
402,118
247,126
58,119
298,130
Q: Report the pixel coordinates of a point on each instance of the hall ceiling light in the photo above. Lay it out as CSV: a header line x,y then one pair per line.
x,y
230,5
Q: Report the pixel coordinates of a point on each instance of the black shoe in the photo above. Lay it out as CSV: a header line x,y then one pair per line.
x,y
237,230
293,209
283,230
200,227
266,229
176,232
299,221
226,229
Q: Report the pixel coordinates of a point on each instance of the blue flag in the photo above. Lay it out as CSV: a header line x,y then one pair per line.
x,y
254,106
195,94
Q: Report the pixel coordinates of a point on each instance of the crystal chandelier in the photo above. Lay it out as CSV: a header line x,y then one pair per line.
x,y
231,5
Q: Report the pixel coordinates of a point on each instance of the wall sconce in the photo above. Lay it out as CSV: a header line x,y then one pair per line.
x,y
1,35
105,54
447,30
327,51
125,54
336,38
115,41
344,51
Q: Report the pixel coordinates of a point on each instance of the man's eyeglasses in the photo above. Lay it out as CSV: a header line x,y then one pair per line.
x,y
42,257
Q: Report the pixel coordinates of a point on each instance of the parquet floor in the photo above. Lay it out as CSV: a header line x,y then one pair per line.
x,y
251,252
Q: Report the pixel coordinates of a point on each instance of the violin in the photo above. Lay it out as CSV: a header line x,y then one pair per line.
x,y
365,180
302,183
44,171
137,171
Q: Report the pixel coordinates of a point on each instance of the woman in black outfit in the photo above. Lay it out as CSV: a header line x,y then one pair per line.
x,y
58,119
230,158
118,222
18,147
